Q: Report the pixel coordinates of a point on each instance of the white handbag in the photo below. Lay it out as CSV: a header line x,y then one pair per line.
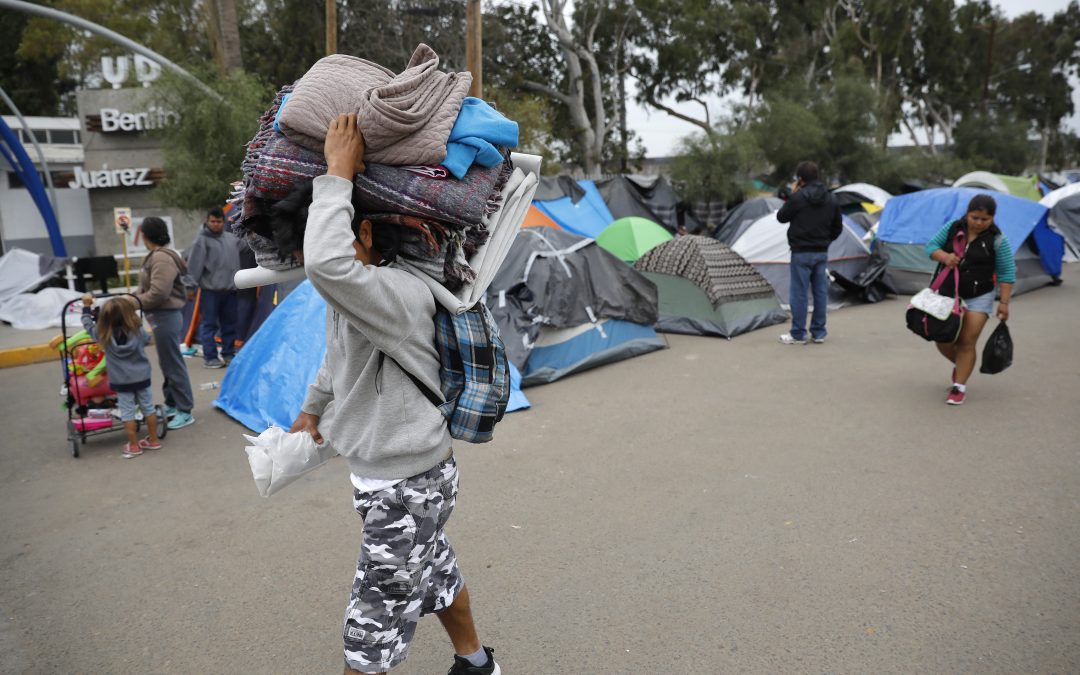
x,y
938,306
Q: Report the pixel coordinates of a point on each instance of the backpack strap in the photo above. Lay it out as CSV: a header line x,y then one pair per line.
x,y
428,393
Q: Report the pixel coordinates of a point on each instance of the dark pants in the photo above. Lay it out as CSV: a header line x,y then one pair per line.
x,y
218,311
168,325
246,301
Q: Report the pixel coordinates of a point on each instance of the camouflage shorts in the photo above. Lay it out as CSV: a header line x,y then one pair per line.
x,y
406,569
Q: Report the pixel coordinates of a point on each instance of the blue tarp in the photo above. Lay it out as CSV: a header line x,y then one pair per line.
x,y
587,218
266,383
915,218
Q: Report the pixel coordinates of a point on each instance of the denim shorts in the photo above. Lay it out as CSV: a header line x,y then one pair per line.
x,y
126,401
407,568
981,303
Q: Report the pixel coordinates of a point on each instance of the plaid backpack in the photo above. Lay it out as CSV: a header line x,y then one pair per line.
x,y
474,374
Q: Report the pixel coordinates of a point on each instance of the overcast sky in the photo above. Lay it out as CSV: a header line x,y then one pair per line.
x,y
661,132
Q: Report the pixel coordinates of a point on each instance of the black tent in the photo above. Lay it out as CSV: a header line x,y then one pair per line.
x,y
650,197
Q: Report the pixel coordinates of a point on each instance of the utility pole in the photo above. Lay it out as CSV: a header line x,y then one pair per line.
x,y
331,27
474,47
989,65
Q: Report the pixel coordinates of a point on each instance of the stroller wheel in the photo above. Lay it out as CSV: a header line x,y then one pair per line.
x,y
163,424
72,439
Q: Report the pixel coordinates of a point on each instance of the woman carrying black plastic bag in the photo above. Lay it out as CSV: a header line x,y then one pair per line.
x,y
987,262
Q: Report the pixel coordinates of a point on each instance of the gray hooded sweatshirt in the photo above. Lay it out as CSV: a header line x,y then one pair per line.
x,y
374,415
214,259
125,358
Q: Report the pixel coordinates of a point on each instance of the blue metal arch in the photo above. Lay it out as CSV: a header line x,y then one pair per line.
x,y
16,156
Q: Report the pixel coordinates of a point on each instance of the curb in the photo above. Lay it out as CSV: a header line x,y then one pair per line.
x,y
24,356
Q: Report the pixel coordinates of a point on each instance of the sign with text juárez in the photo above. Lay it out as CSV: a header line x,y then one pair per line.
x,y
113,178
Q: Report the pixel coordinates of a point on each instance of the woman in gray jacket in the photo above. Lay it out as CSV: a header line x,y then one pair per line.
x,y
163,296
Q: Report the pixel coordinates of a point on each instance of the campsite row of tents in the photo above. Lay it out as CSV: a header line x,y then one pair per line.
x,y
597,271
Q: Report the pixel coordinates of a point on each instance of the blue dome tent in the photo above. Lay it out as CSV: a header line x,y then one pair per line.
x,y
911,220
586,216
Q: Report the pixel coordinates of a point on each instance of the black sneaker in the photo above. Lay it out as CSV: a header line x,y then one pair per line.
x,y
463,667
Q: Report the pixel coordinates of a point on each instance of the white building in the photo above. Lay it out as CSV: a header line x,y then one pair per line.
x,y
21,225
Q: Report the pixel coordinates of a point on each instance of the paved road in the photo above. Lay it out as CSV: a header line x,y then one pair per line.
x,y
718,507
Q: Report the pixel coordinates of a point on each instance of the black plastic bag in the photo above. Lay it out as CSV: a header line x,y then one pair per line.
x,y
998,352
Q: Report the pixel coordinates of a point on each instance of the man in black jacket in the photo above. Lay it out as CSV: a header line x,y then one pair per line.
x,y
815,223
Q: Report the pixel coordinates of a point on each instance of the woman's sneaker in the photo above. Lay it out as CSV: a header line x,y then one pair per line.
x,y
956,397
170,412
787,339
145,444
463,667
129,450
181,420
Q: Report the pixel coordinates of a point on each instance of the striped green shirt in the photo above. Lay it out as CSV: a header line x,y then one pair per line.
x,y
1004,263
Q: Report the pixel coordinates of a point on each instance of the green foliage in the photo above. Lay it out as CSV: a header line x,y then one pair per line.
x,y
1064,150
536,134
173,28
22,77
203,152
991,143
281,39
890,169
387,31
716,168
818,78
846,112
788,132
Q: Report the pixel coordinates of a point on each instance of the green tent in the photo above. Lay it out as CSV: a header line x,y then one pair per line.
x,y
632,237
1026,187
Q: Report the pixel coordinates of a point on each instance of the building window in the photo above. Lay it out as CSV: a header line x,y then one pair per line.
x,y
60,180
62,136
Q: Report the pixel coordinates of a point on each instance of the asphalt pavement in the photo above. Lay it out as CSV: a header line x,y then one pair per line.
x,y
717,507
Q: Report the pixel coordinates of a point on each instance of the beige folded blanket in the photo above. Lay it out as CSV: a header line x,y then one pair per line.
x,y
405,118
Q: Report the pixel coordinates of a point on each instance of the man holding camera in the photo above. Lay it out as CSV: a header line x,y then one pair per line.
x,y
815,222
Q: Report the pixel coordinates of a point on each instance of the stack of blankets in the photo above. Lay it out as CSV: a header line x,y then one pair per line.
x,y
437,162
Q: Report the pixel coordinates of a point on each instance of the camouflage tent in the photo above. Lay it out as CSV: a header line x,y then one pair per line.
x,y
705,288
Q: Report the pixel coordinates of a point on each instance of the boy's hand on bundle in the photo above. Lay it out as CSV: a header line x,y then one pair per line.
x,y
309,423
344,148
87,299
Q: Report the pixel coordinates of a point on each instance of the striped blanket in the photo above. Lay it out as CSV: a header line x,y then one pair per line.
x,y
283,164
442,216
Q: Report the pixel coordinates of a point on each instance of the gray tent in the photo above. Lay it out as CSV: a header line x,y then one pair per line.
x,y
1065,218
744,215
650,197
563,304
765,246
557,187
708,289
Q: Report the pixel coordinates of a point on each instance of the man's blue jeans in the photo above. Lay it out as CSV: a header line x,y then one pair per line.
x,y
808,270
218,310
